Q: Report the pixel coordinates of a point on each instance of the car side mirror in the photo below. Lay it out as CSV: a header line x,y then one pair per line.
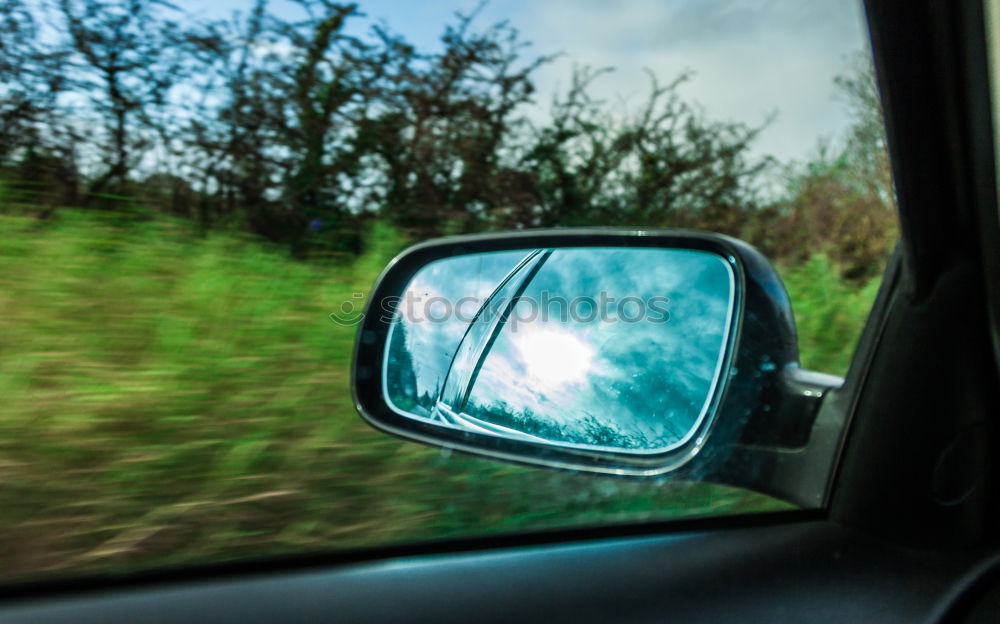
x,y
635,352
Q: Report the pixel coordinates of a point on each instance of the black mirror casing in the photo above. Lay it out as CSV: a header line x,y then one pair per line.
x,y
766,403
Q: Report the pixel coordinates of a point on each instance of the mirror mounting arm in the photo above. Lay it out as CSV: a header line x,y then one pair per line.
x,y
788,452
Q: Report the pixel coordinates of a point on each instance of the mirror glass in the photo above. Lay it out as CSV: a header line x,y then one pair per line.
x,y
602,348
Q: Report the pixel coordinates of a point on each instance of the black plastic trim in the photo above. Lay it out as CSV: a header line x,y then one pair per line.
x,y
764,386
788,572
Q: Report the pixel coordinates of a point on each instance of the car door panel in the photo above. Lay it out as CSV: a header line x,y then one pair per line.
x,y
794,571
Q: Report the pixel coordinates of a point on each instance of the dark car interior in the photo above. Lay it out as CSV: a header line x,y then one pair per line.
x,y
911,528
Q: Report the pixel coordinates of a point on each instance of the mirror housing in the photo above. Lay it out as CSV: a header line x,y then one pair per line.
x,y
764,405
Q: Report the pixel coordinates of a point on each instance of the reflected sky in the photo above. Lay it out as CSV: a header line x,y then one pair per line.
x,y
432,343
604,347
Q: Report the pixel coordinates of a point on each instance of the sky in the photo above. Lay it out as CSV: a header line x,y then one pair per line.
x,y
751,59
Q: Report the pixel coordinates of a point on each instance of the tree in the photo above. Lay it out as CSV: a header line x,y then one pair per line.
x,y
226,136
445,124
278,149
866,148
402,382
325,88
299,131
663,164
19,101
125,59
842,203
32,79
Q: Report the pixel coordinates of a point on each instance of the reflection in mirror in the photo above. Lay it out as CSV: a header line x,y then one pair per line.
x,y
602,348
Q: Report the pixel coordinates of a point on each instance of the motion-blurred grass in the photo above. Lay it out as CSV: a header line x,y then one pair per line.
x,y
167,397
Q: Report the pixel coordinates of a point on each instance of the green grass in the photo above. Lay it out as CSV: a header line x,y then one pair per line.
x,y
829,313
169,398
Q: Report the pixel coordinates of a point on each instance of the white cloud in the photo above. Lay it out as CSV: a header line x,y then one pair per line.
x,y
750,58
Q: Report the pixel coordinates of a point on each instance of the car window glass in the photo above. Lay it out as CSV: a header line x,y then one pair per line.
x,y
187,244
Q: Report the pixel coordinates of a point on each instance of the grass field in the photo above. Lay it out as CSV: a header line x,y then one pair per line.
x,y
169,398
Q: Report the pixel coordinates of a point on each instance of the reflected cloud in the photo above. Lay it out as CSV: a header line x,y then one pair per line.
x,y
432,343
584,354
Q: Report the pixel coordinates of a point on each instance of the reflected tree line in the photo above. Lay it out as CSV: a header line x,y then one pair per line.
x,y
302,131
584,429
